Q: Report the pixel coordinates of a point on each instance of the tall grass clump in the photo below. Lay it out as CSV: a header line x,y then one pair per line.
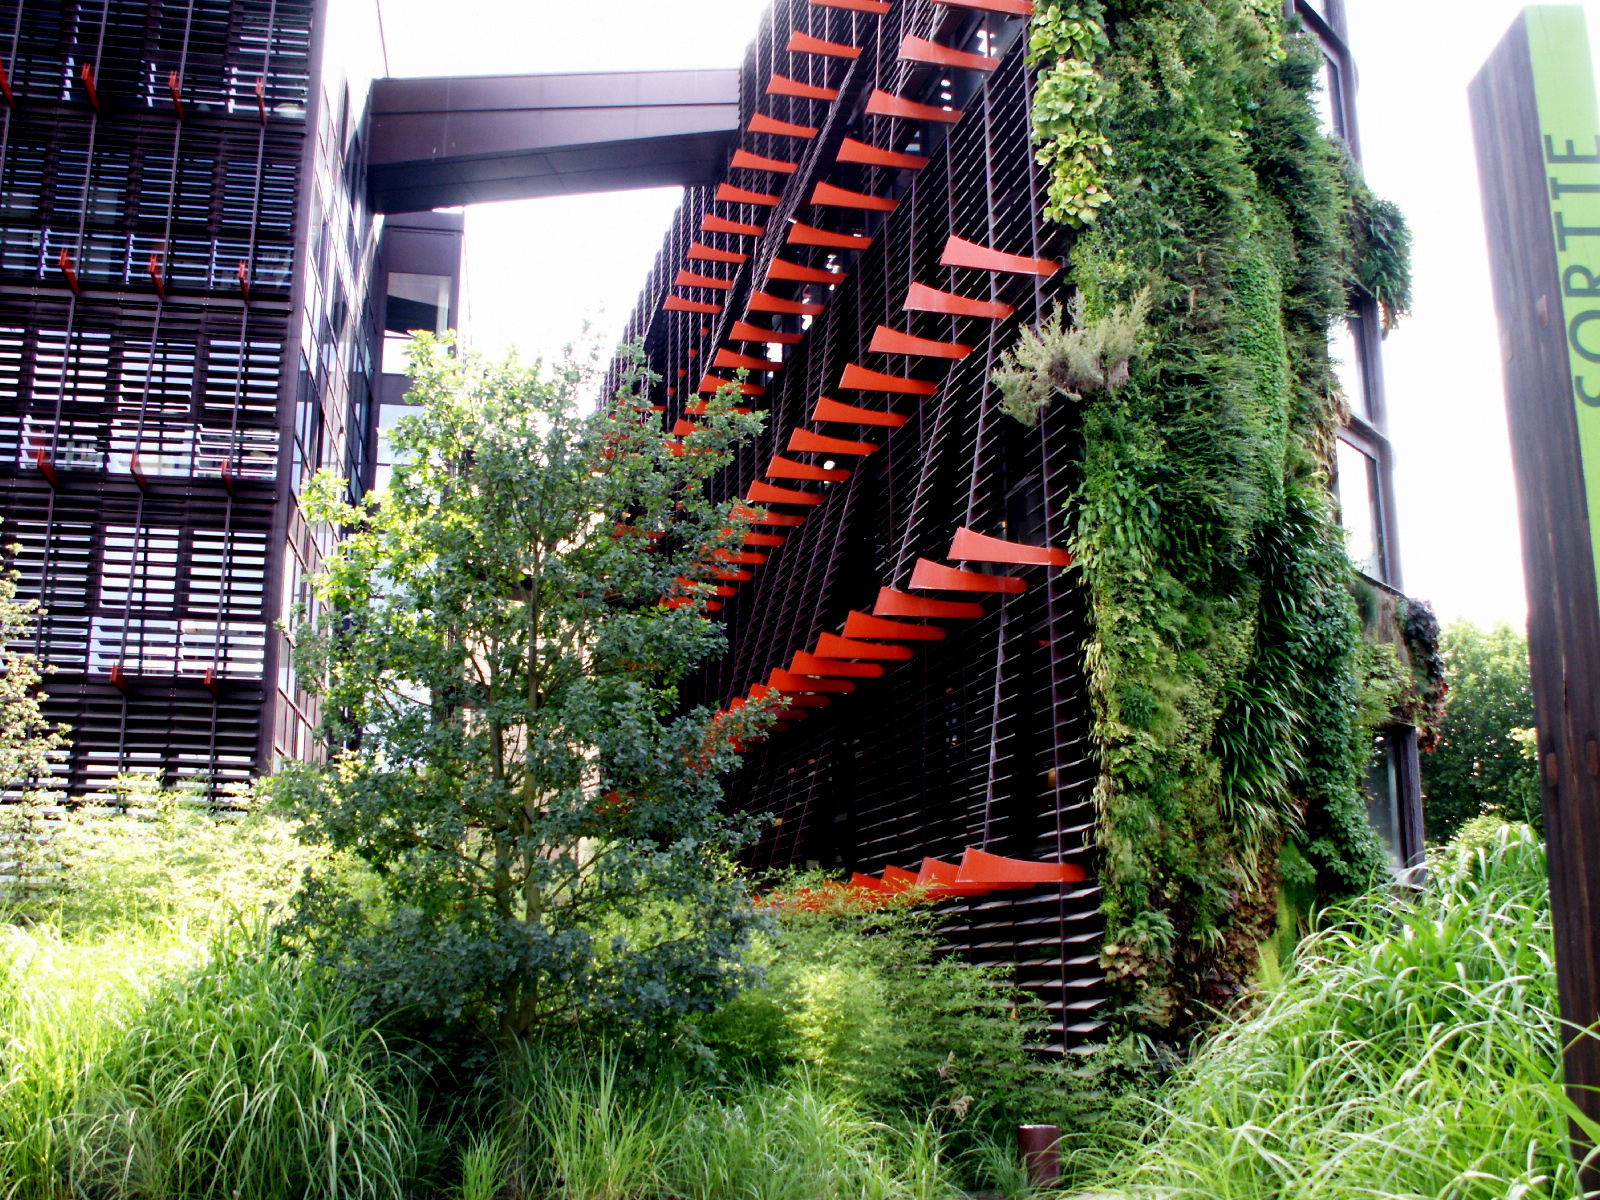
x,y
246,1078
61,1005
173,1070
1414,1051
589,1127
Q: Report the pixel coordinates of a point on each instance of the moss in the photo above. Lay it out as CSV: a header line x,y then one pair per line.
x,y
1225,663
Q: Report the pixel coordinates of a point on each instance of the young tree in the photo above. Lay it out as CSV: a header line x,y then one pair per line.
x,y
29,743
1481,763
30,746
500,637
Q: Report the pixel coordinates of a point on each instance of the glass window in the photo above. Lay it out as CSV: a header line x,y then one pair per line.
x,y
417,302
1345,352
1383,797
1356,489
1329,97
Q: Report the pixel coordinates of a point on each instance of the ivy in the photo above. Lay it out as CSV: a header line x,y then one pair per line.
x,y
1221,233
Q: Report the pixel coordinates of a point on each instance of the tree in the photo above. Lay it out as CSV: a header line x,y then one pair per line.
x,y
1482,763
500,637
30,745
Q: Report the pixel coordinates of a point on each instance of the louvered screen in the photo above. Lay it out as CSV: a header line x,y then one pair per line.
x,y
981,739
150,167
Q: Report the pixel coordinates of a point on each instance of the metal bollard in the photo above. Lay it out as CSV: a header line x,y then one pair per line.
x,y
1039,1146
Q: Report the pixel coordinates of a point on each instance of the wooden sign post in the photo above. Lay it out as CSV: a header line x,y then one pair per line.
x,y
1538,137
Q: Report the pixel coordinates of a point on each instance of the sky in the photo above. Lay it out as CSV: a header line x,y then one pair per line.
x,y
539,272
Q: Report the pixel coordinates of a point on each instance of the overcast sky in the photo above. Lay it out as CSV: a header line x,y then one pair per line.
x,y
539,270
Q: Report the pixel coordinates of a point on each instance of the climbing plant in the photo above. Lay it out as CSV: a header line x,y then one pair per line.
x,y
1221,232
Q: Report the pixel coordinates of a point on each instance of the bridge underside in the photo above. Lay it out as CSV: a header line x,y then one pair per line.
x,y
448,141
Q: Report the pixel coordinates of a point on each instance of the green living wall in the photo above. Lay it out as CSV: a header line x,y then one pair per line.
x,y
1220,235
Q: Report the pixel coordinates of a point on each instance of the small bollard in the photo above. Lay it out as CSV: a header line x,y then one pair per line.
x,y
1039,1146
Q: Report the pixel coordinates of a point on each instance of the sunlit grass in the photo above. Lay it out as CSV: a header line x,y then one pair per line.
x,y
1413,1052
168,1069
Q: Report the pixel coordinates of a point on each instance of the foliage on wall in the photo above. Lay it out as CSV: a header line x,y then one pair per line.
x,y
1225,669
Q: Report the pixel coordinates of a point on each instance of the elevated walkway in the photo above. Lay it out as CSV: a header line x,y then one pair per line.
x,y
466,140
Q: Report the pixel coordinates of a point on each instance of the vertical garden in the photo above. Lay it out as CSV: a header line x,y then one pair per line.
x,y
1221,233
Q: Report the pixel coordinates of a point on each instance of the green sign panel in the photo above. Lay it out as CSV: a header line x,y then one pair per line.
x,y
1563,77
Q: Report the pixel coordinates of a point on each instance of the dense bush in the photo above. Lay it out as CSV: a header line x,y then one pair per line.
x,y
1413,1051
866,1003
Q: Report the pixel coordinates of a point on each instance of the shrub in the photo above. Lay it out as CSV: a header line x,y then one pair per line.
x,y
867,1003
166,857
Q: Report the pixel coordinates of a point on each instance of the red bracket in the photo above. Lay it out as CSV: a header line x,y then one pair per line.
x,y
971,546
5,86
64,261
154,269
804,43
876,7
136,469
831,412
852,151
809,235
922,298
86,73
226,471
884,104
892,603
705,253
46,465
715,383
213,685
691,279
748,362
761,123
861,625
838,197
261,97
858,379
788,681
174,85
892,341
958,252
831,645
743,331
243,272
684,304
766,493
806,663
803,441
939,578
1011,8
788,468
782,85
119,678
729,194
714,224
921,50
765,302
781,268
743,160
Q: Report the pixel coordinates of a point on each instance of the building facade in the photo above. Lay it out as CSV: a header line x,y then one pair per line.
x,y
874,245
191,308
